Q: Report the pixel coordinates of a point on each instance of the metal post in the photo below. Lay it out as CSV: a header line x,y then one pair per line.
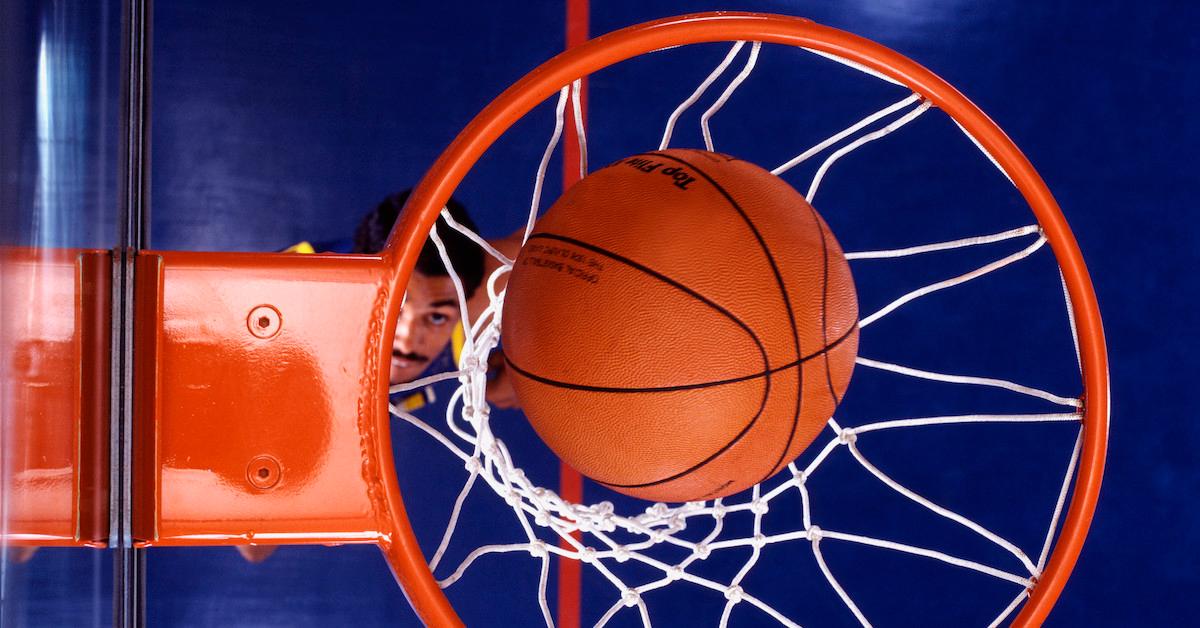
x,y
129,563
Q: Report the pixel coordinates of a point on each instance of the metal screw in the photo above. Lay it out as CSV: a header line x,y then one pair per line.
x,y
264,321
263,472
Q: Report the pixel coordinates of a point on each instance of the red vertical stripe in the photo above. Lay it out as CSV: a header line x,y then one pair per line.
x,y
570,572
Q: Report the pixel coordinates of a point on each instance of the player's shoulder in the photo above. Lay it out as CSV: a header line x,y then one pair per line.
x,y
307,247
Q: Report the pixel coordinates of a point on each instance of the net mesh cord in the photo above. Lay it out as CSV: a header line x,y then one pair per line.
x,y
599,537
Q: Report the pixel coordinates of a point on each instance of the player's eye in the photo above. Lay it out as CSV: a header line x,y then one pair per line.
x,y
437,318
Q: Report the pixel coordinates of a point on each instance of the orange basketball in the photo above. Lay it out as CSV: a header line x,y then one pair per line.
x,y
680,325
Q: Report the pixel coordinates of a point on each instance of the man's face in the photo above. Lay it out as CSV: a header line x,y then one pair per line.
x,y
427,320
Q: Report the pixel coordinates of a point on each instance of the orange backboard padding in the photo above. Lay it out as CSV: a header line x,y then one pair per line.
x,y
55,306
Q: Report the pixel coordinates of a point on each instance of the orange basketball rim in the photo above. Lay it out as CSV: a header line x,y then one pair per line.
x,y
227,339
445,175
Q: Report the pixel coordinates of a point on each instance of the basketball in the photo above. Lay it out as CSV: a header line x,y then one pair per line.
x,y
680,325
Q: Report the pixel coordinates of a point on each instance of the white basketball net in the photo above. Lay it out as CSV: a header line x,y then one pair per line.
x,y
543,514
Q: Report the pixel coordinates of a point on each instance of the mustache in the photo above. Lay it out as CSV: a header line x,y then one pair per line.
x,y
411,357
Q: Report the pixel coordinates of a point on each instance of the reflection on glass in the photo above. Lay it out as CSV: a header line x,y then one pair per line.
x,y
58,94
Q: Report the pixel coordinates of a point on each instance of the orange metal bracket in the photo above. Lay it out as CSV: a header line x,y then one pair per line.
x,y
260,408
55,342
256,408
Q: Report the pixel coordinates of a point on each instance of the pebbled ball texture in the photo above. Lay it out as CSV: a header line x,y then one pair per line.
x,y
680,325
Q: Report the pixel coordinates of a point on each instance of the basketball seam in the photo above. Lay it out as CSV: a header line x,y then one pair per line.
x,y
719,451
679,387
787,302
667,280
824,325
825,302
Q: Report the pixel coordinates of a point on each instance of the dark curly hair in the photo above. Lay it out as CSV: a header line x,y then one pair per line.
x,y
465,255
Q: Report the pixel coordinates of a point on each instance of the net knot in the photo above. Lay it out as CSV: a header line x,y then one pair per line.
x,y
474,413
759,541
537,549
587,555
473,465
815,534
734,594
621,554
847,436
701,551
759,507
675,573
606,524
718,511
799,476
630,598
